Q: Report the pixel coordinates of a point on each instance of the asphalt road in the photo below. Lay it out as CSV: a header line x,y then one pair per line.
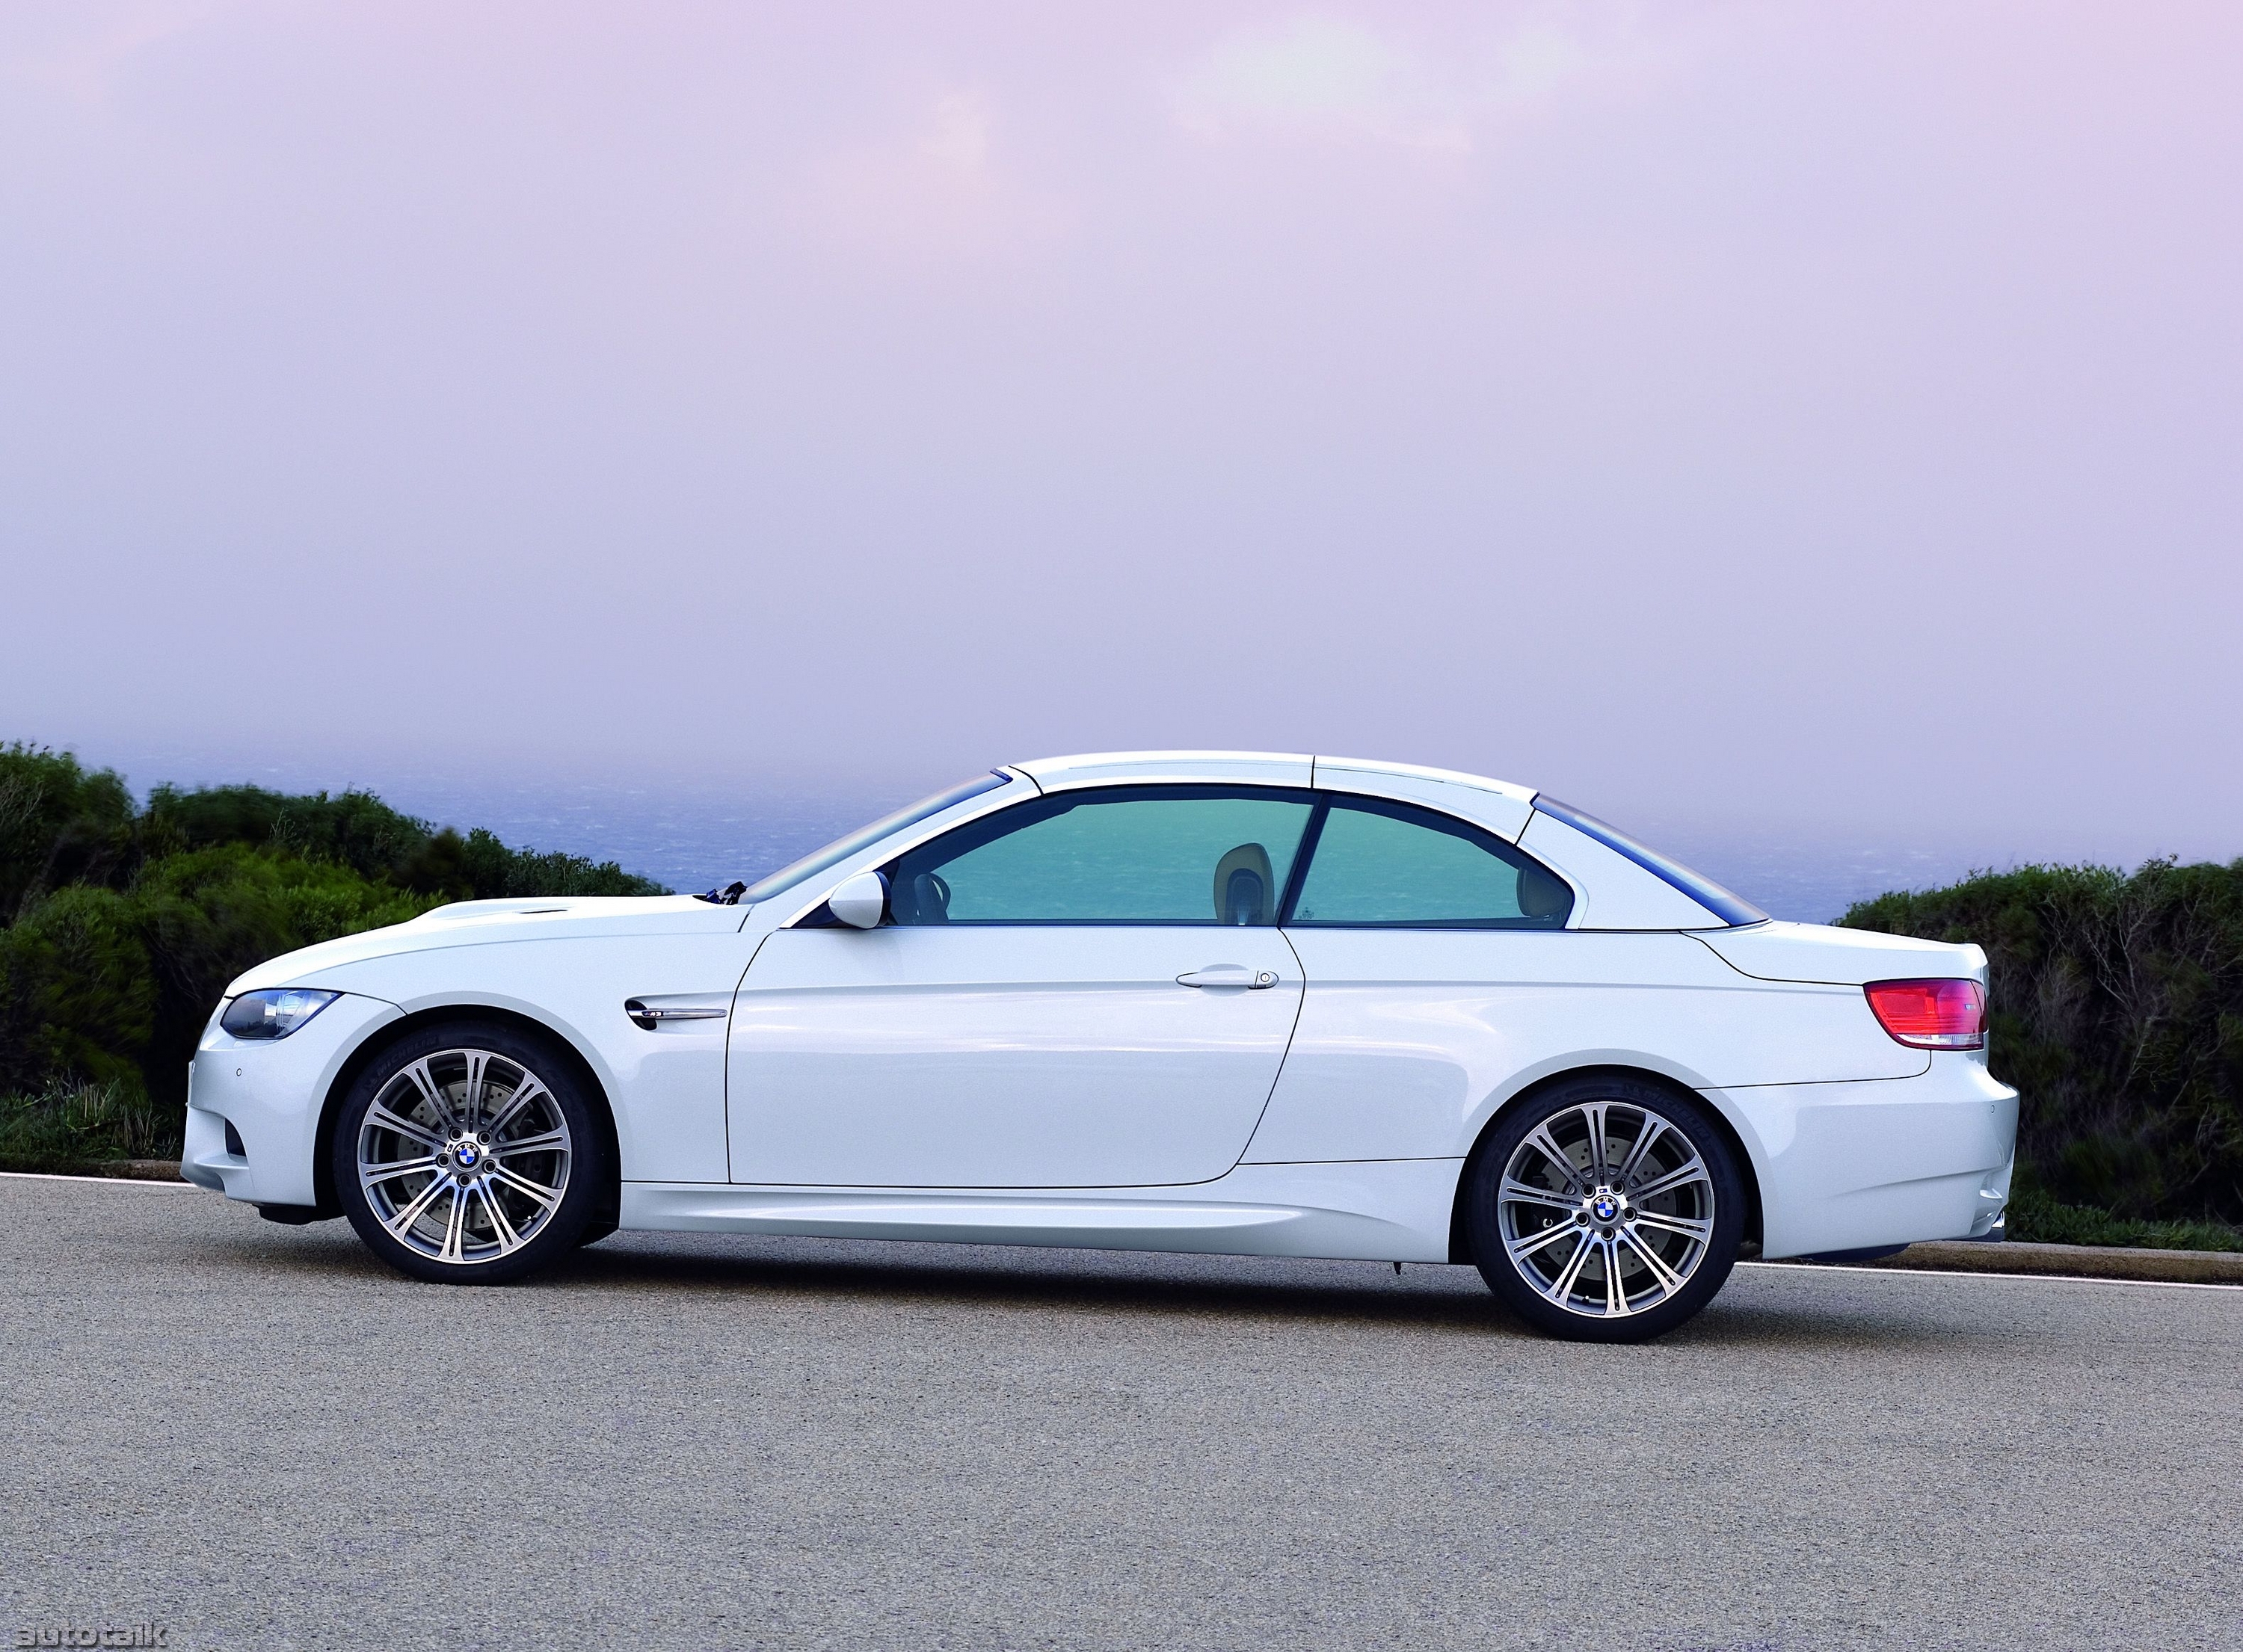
x,y
255,1436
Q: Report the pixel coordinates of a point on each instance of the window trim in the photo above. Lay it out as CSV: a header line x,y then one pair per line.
x,y
801,908
1732,908
1411,813
827,858
1321,801
1074,797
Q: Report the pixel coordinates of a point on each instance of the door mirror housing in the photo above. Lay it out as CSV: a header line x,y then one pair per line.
x,y
861,902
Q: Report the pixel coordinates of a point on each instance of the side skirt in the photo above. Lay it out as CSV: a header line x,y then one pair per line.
x,y
1379,1211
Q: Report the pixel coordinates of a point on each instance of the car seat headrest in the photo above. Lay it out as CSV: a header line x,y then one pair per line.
x,y
1543,893
1244,891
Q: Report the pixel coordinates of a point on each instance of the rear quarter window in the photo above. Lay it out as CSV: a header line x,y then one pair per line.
x,y
1384,865
1730,907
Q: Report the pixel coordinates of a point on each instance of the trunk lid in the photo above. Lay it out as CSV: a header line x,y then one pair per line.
x,y
1819,952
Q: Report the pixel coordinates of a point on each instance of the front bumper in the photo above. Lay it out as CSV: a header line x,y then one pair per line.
x,y
1883,1162
271,1090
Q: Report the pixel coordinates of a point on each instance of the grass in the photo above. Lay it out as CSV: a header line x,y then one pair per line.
x,y
71,1126
2034,1216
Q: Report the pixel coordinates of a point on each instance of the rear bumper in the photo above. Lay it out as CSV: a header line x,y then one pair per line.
x,y
271,1090
1888,1161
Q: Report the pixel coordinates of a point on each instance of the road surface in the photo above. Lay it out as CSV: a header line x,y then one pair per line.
x,y
255,1436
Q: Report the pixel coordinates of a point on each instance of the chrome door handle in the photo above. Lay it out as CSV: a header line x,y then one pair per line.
x,y
1228,975
651,1018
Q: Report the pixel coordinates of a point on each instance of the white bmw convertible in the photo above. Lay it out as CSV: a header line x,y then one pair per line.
x,y
1255,1005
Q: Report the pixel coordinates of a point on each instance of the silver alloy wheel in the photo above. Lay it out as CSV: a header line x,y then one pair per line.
x,y
1606,1209
464,1156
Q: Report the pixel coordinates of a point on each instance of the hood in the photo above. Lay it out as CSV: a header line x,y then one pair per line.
x,y
487,922
1819,952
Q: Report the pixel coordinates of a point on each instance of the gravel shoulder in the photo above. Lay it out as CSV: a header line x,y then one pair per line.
x,y
2075,1261
257,1437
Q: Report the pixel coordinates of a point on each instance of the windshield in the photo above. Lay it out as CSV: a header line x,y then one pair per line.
x,y
842,848
1730,908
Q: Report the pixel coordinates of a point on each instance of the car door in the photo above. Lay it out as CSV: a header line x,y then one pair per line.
x,y
1429,945
1087,990
1441,970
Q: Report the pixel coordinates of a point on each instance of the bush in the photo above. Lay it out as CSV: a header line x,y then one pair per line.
x,y
494,871
119,930
205,916
357,829
2034,1215
2116,1010
74,1125
77,998
58,825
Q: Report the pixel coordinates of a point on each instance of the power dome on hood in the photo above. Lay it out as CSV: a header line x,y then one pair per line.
x,y
461,912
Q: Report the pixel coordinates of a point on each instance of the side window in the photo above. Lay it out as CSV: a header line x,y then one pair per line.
x,y
1389,865
1128,854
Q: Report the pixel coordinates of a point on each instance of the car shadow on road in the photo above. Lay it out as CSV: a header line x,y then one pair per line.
x,y
1425,1296
1093,1281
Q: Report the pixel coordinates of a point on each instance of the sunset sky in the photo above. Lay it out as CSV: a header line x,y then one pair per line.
x,y
1830,414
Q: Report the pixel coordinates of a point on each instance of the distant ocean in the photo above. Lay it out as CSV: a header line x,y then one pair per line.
x,y
694,835
694,841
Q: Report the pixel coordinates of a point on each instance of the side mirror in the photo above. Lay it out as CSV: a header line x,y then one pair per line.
x,y
861,902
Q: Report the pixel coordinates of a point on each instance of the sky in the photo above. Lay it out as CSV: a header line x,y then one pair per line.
x,y
1828,418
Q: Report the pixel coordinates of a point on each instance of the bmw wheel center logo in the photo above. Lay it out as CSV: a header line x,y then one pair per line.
x,y
465,1153
1604,1207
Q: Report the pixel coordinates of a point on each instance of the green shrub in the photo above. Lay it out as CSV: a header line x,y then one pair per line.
x,y
207,916
357,829
2116,1010
73,1125
58,825
2034,1215
121,928
494,871
76,994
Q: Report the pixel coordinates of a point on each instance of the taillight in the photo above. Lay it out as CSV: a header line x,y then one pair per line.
x,y
1932,1015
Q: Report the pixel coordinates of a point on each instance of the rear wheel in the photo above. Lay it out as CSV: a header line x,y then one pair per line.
x,y
466,1153
1605,1210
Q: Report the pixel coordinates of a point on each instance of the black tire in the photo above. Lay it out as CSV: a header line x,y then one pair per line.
x,y
1619,1290
471,1248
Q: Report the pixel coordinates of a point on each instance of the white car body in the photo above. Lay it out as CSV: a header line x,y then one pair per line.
x,y
1055,1085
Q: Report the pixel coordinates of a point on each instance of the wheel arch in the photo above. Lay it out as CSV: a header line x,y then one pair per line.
x,y
382,1036
1459,1251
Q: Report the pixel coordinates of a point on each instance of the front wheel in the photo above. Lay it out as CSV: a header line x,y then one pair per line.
x,y
465,1153
1605,1210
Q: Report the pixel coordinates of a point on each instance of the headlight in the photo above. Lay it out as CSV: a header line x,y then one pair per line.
x,y
275,1014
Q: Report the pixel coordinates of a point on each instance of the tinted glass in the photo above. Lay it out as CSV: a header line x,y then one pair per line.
x,y
1392,866
1142,855
1731,909
865,836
